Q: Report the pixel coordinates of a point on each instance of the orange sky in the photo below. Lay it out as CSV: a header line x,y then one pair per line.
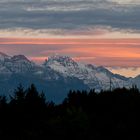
x,y
133,41
106,52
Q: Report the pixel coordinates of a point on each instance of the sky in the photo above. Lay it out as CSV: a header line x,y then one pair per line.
x,y
101,32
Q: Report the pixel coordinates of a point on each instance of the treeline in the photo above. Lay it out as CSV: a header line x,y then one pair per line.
x,y
84,115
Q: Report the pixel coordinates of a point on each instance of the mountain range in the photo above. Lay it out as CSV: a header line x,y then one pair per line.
x,y
57,75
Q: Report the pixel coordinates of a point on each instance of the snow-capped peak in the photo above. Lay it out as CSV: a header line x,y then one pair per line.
x,y
93,76
60,58
65,61
15,64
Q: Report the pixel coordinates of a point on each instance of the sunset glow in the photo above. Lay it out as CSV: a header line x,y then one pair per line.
x,y
105,52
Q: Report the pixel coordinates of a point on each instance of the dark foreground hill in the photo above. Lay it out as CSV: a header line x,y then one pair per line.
x,y
82,115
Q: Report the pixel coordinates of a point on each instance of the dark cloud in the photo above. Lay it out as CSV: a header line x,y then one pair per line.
x,y
64,14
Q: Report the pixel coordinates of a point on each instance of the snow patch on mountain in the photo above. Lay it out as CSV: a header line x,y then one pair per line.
x,y
58,73
15,64
56,67
95,77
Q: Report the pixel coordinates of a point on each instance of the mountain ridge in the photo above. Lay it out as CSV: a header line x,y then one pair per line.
x,y
59,73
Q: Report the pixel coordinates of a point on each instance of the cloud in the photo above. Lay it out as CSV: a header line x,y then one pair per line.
x,y
106,52
127,71
74,17
127,2
82,32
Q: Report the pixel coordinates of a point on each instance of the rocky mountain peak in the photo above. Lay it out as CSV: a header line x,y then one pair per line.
x,y
61,60
19,58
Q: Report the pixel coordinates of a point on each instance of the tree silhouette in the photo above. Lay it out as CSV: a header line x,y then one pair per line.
x,y
33,98
19,95
82,115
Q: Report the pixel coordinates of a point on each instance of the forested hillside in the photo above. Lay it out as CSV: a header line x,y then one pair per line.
x,y
28,115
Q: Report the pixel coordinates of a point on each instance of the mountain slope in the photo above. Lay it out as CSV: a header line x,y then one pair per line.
x,y
18,69
94,77
56,76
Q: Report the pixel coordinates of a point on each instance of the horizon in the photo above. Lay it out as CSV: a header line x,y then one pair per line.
x,y
129,72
